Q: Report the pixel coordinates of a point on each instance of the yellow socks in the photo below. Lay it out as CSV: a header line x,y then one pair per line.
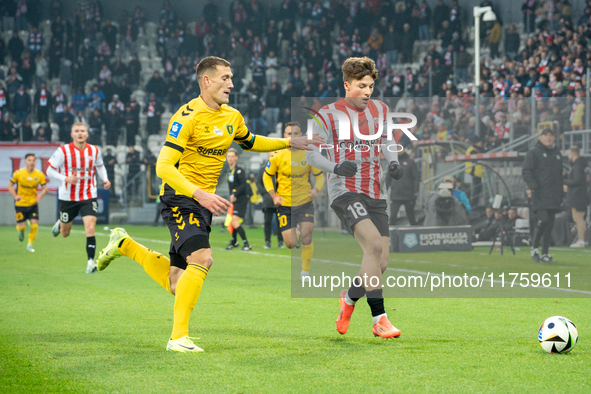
x,y
33,233
155,264
22,228
187,293
307,252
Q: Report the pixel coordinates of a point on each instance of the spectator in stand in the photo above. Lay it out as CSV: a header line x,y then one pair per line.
x,y
43,103
458,194
42,134
407,39
21,105
135,70
110,35
131,124
95,128
255,114
440,13
272,103
16,47
153,110
8,132
512,42
79,99
25,131
577,199
116,103
174,91
8,9
113,124
157,86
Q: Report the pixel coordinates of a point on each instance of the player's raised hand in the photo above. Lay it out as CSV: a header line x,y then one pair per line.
x,y
304,143
313,193
216,204
72,179
107,185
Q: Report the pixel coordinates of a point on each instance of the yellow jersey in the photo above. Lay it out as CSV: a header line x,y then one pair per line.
x,y
293,176
27,185
203,136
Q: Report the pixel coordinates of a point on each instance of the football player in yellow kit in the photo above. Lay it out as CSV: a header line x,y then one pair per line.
x,y
198,137
27,199
294,197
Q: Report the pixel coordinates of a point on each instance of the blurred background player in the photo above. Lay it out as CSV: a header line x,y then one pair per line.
x,y
189,165
237,186
271,222
294,197
27,198
75,165
357,196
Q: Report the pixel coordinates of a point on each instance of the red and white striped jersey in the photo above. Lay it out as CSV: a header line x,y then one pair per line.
x,y
365,153
71,161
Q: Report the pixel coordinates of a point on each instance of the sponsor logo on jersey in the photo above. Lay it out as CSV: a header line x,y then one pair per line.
x,y
211,152
217,131
175,129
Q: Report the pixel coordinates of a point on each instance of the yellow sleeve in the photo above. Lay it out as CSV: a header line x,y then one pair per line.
x,y
41,178
319,177
257,143
179,131
268,175
14,178
166,170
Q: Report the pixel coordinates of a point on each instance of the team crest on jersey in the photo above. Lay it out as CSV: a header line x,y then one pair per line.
x,y
217,131
36,179
230,129
303,163
175,129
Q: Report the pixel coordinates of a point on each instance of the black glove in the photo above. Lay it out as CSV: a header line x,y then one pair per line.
x,y
396,170
347,168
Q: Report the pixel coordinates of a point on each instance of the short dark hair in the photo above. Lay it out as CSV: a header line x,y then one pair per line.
x,y
210,63
292,124
355,68
546,131
29,154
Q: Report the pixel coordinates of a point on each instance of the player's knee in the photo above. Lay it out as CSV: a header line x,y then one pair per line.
x,y
287,242
207,261
65,233
374,248
307,239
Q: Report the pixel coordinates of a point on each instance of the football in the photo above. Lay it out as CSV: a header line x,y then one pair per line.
x,y
558,334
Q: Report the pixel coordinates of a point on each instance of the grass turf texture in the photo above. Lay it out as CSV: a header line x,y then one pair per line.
x,y
62,330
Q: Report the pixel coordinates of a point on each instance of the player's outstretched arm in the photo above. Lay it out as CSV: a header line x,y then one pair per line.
x,y
259,143
347,168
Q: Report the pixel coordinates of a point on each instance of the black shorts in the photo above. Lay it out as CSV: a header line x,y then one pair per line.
x,y
70,209
189,224
289,217
240,207
26,213
352,208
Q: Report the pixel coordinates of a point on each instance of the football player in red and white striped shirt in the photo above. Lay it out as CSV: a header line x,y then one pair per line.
x,y
74,165
355,188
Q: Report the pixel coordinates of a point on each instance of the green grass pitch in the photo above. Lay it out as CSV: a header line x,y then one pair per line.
x,y
62,330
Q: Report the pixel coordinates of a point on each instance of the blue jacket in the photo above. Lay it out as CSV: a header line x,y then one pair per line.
x,y
461,197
